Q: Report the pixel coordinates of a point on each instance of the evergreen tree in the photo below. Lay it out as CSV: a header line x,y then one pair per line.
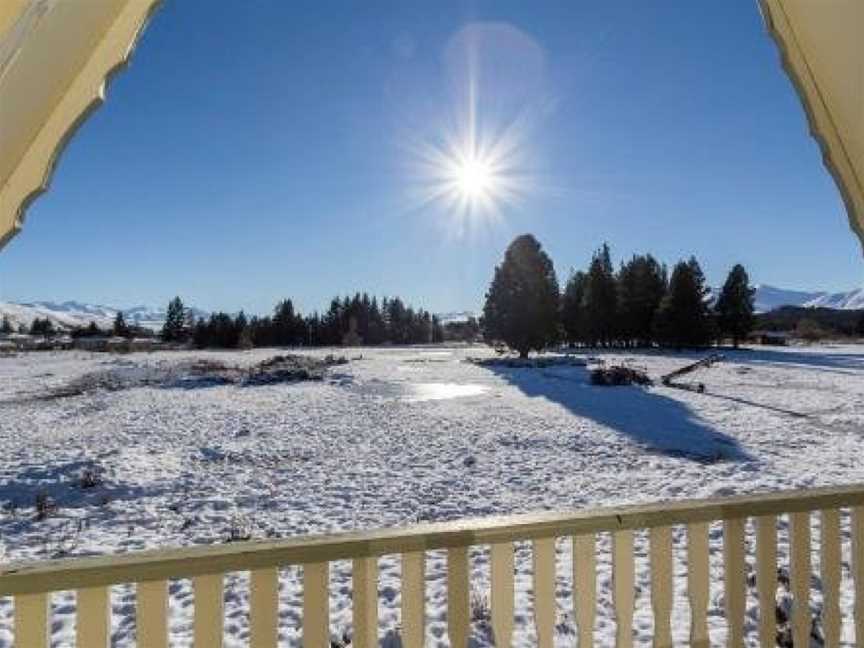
x,y
437,330
641,286
121,329
683,319
859,330
6,326
601,298
92,329
174,329
735,305
522,302
573,317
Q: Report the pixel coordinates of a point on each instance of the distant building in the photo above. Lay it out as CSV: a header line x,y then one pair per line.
x,y
770,338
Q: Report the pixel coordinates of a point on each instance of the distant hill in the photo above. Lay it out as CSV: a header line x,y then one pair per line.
x,y
831,320
770,297
72,314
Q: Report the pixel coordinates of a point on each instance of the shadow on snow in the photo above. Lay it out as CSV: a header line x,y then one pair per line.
x,y
653,421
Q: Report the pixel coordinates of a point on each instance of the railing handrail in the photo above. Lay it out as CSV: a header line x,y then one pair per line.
x,y
161,564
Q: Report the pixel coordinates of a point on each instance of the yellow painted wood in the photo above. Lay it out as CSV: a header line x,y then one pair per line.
x,y
414,599
735,582
766,577
585,587
209,615
698,580
32,614
365,575
501,567
78,573
544,591
799,559
152,609
831,574
858,571
93,617
661,585
264,608
316,605
622,587
458,613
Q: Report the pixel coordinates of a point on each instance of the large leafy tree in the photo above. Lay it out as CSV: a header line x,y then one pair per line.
x,y
735,305
601,298
683,319
641,286
522,302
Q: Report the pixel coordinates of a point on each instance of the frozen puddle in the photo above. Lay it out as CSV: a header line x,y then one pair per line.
x,y
442,391
419,392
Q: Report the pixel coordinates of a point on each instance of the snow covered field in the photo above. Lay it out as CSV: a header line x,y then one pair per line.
x,y
403,435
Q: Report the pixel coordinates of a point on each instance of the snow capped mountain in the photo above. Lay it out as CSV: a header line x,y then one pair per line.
x,y
72,314
455,317
769,297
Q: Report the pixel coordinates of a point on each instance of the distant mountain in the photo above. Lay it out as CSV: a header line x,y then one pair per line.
x,y
454,317
769,297
72,314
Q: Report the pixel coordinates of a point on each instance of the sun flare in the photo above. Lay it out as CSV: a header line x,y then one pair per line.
x,y
474,178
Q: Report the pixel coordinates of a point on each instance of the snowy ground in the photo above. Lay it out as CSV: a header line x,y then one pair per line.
x,y
402,435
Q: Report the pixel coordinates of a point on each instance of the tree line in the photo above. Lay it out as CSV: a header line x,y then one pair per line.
x,y
350,320
640,304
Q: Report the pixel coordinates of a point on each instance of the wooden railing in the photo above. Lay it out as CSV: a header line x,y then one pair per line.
x,y
91,578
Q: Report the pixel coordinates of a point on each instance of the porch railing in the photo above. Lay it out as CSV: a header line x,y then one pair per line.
x,y
91,578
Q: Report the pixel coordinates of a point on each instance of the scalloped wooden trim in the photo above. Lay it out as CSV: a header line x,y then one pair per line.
x,y
33,175
819,119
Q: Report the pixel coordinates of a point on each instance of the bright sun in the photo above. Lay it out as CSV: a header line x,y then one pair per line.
x,y
474,178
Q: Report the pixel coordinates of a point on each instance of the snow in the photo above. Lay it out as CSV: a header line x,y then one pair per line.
x,y
769,297
405,435
73,314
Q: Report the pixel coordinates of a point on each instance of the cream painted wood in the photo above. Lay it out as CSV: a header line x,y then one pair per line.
x,y
316,604
152,609
831,574
458,620
698,576
735,583
93,617
661,585
32,614
264,608
585,587
209,616
72,574
858,571
799,562
501,567
414,598
622,587
766,577
544,591
365,576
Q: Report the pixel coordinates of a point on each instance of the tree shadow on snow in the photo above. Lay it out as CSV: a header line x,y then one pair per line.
x,y
844,363
653,421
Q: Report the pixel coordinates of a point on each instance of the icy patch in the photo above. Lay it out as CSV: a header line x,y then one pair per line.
x,y
442,391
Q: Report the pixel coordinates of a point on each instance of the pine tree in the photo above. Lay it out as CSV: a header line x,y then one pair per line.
x,y
174,329
601,298
735,305
573,316
6,326
522,302
683,319
641,286
120,327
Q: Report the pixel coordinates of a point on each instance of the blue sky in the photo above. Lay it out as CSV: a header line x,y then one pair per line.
x,y
256,150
